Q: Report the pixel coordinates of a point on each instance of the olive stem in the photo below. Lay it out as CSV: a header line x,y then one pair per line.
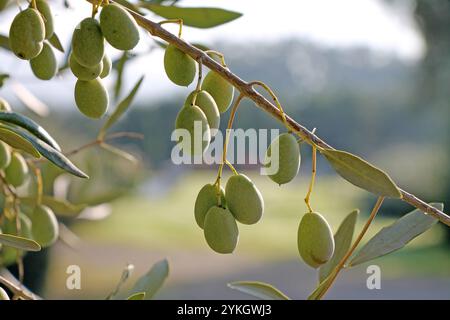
x,y
199,81
17,290
248,91
313,178
33,4
349,253
178,21
219,54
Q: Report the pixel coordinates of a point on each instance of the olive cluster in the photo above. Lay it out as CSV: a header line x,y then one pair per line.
x,y
40,223
28,35
88,60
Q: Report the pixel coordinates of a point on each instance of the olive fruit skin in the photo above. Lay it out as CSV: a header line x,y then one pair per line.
x,y
91,98
3,295
221,230
187,119
315,240
44,66
180,68
106,66
243,199
4,105
5,155
206,199
118,27
8,255
26,34
16,173
219,89
82,72
288,158
44,226
88,44
209,107
44,8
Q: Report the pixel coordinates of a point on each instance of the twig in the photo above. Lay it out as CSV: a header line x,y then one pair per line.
x,y
248,91
17,289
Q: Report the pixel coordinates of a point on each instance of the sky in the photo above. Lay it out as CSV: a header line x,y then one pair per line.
x,y
329,23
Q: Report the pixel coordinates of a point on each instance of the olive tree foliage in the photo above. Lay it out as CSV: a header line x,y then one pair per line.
x,y
31,160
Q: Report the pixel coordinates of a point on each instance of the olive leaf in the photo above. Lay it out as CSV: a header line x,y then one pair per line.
x,y
56,43
31,126
152,280
361,173
19,242
120,66
396,236
260,290
60,207
343,240
137,296
194,17
120,109
51,154
17,142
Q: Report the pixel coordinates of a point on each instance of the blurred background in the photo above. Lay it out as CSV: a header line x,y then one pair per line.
x,y
371,75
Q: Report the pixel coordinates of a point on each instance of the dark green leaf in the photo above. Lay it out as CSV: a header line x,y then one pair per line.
x,y
19,242
18,142
137,296
153,280
260,290
56,43
194,17
51,154
396,236
30,125
343,241
121,108
361,173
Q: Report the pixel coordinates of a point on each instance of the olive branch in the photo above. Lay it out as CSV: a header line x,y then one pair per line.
x,y
247,90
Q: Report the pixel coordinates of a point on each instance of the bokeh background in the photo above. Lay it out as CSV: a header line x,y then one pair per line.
x,y
371,75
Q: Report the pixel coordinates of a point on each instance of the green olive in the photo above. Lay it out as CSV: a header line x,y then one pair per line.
x,y
180,68
243,199
44,226
9,255
91,98
194,121
119,27
209,107
82,72
220,230
5,155
44,8
26,34
88,44
206,199
315,240
219,89
287,160
16,173
44,66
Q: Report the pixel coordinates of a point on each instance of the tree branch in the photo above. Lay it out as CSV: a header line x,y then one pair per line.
x,y
248,91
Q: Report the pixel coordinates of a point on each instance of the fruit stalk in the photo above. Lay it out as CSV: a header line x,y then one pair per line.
x,y
248,91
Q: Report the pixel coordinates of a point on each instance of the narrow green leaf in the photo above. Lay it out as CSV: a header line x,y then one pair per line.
x,y
361,173
60,207
18,142
396,236
19,242
152,281
121,108
137,296
260,290
120,66
56,43
51,154
30,125
194,17
342,240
